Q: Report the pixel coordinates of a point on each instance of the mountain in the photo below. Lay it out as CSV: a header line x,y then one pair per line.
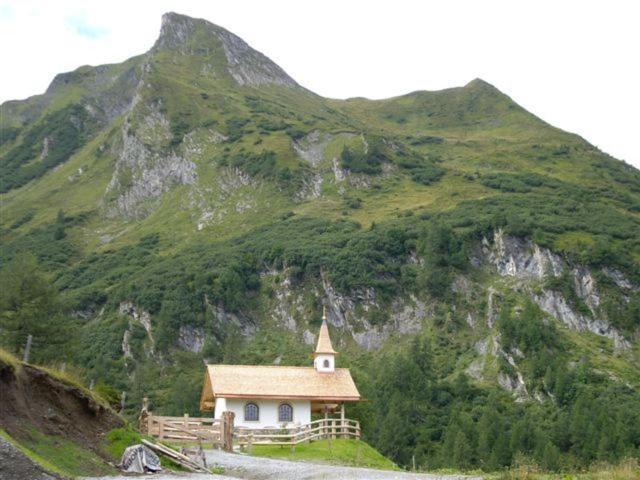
x,y
481,268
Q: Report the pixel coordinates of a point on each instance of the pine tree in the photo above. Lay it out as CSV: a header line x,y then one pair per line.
x,y
462,453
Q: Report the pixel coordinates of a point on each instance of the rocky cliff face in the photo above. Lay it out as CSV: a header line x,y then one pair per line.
x,y
143,173
246,66
525,262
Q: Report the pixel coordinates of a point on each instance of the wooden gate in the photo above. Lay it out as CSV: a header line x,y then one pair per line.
x,y
183,429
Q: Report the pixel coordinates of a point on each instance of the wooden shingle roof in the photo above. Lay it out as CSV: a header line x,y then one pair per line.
x,y
254,381
324,341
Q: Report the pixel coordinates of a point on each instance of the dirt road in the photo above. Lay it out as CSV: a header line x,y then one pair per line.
x,y
257,468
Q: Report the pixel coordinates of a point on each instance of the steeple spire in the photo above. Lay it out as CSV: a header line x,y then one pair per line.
x,y
324,345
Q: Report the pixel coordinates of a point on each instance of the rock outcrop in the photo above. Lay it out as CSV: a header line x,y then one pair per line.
x,y
142,174
526,262
191,36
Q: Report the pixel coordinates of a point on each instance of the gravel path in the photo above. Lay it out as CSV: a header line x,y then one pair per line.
x,y
166,476
259,468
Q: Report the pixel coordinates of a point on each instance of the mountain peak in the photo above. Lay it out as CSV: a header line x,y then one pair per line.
x,y
194,36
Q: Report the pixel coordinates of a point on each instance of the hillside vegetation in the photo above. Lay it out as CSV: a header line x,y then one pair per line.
x,y
481,268
54,421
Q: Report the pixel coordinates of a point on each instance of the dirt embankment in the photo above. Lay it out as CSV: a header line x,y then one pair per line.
x,y
33,400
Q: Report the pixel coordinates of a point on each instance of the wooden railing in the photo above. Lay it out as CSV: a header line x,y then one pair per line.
x,y
326,428
184,429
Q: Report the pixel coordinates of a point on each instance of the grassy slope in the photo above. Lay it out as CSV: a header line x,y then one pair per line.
x,y
340,451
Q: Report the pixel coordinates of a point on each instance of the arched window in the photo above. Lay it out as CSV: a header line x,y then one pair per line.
x,y
251,412
326,363
285,413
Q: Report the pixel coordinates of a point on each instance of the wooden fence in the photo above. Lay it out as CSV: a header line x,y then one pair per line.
x,y
221,433
329,428
184,429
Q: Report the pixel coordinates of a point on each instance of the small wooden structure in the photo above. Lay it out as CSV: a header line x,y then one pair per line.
x,y
177,457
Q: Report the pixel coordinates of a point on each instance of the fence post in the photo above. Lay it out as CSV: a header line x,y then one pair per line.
x,y
333,428
144,420
160,428
186,422
227,431
357,430
250,443
27,349
149,424
343,429
325,424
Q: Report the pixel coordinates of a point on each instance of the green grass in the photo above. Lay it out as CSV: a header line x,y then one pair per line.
x,y
626,469
9,359
61,456
340,452
118,439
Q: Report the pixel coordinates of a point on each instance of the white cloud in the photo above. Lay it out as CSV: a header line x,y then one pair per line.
x,y
572,63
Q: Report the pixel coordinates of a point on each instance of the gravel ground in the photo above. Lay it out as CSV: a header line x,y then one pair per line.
x,y
257,468
166,476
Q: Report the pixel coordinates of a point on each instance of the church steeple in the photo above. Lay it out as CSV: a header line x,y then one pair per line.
x,y
324,355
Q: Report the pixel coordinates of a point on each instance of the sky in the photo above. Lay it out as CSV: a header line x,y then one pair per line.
x,y
575,64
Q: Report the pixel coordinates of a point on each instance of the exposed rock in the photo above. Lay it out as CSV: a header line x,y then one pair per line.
x,y
309,337
287,303
244,64
142,174
126,347
109,91
525,260
555,305
45,148
586,288
311,188
244,325
470,319
191,338
217,137
520,258
136,315
250,67
619,278
232,179
515,384
406,315
311,148
476,368
339,173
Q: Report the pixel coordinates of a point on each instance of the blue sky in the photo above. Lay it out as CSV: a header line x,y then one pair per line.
x,y
573,63
83,27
